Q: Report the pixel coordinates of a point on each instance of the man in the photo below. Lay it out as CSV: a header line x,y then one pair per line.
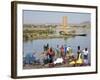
x,y
85,55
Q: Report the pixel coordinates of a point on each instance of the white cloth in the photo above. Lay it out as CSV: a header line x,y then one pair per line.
x,y
85,52
58,60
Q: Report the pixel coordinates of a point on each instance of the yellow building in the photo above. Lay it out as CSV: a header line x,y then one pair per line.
x,y
64,24
64,21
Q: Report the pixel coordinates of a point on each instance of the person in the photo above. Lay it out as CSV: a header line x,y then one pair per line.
x,y
85,55
78,51
62,51
50,55
57,52
79,59
69,51
73,61
45,58
46,47
65,50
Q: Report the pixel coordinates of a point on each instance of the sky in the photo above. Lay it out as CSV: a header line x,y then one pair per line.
x,y
51,17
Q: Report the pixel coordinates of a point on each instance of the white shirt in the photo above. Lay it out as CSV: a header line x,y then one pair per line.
x,y
85,52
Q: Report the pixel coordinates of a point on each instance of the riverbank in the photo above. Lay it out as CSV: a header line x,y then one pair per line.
x,y
38,66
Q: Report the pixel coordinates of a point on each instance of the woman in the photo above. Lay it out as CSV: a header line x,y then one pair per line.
x,y
79,60
62,51
50,55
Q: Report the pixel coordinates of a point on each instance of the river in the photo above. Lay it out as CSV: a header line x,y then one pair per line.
x,y
36,46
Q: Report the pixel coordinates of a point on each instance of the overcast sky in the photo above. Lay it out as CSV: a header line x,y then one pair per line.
x,y
43,17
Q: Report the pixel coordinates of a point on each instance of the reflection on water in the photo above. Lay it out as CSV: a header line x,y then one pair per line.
x,y
36,46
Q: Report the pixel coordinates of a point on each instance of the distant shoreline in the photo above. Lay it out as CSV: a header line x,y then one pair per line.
x,y
56,36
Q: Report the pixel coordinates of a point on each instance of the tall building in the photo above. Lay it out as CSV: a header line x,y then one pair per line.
x,y
64,25
64,21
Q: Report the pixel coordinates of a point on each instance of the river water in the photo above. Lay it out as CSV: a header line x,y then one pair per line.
x,y
36,46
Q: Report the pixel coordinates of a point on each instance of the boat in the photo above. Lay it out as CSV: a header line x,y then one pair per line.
x,y
74,34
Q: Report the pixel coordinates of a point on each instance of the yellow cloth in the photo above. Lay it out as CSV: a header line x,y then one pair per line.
x,y
72,62
80,60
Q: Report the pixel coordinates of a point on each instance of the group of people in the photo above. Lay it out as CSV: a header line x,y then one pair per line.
x,y
82,57
65,53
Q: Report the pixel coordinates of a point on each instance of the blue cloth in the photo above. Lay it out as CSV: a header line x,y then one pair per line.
x,y
29,59
65,50
85,56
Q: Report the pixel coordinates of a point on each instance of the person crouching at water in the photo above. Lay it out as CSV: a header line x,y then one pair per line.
x,y
85,55
50,55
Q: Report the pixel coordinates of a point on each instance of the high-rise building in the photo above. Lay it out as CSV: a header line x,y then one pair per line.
x,y
64,21
64,25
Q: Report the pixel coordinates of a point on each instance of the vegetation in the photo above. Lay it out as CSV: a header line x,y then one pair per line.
x,y
32,33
